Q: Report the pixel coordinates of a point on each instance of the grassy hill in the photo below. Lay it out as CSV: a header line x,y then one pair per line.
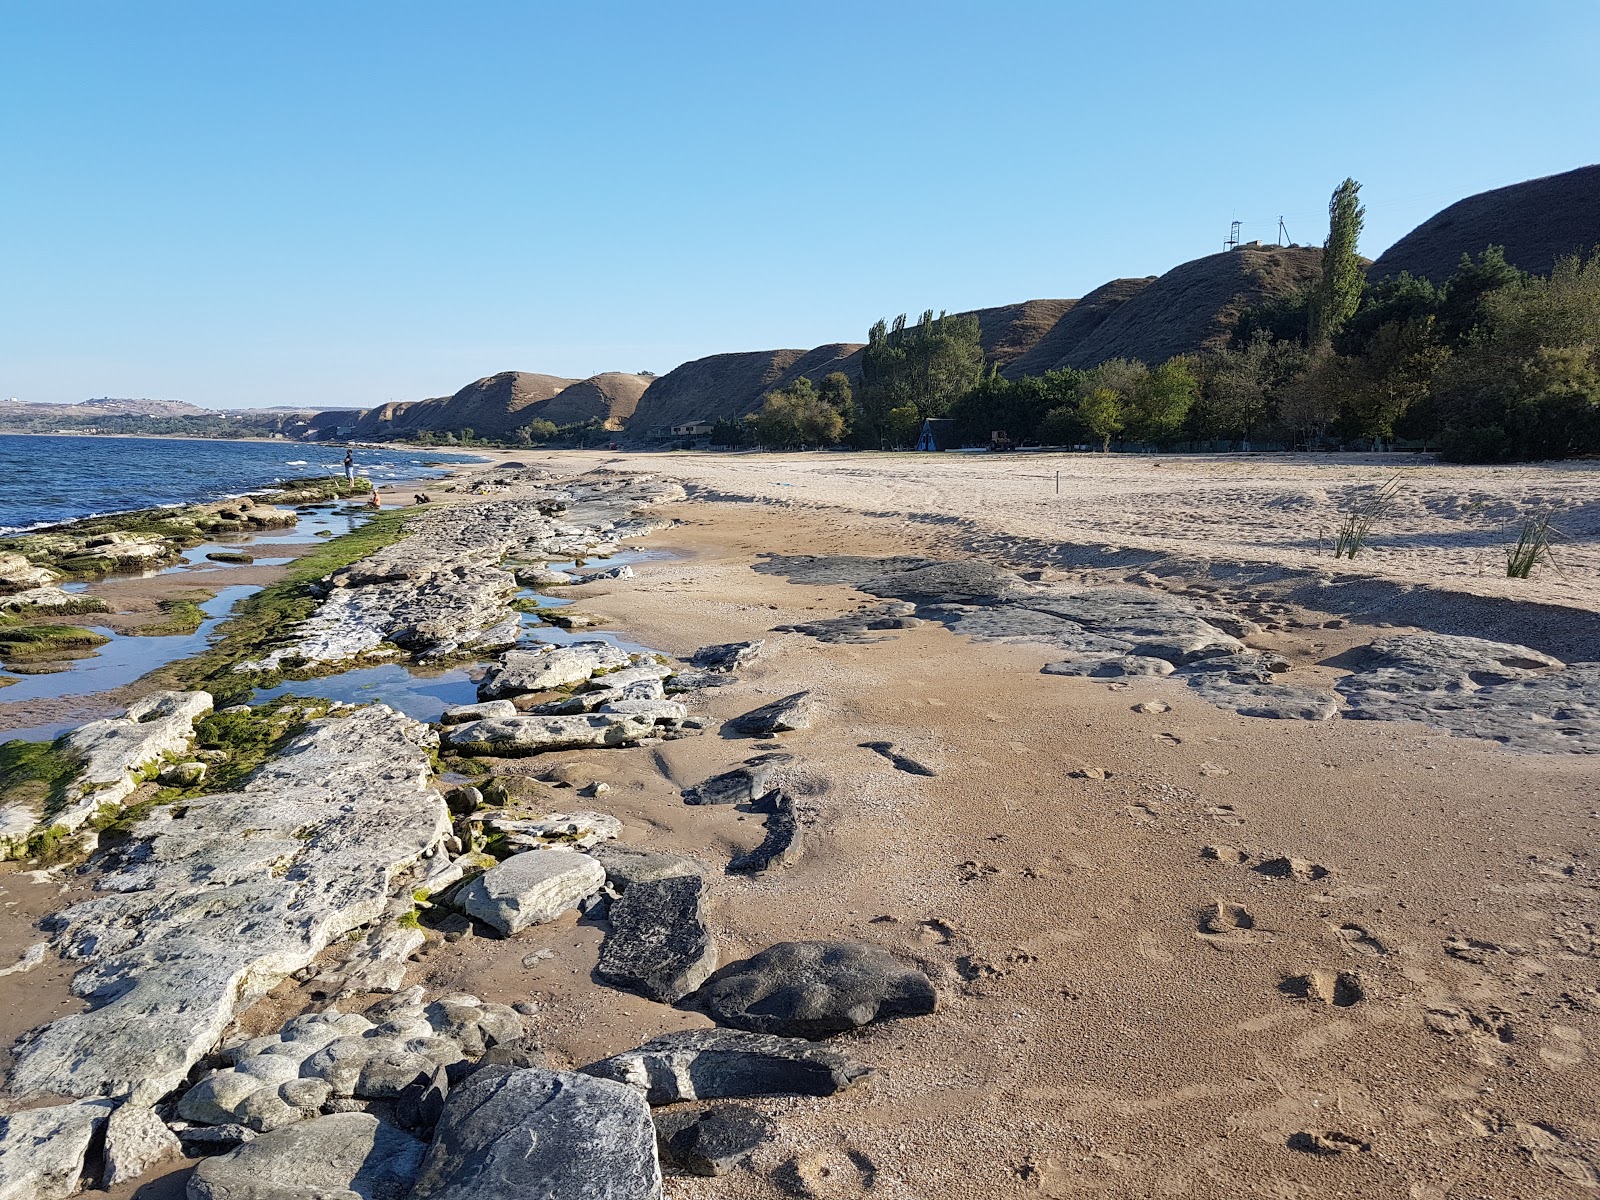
x,y
1537,222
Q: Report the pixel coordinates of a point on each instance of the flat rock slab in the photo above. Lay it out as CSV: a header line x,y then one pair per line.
x,y
713,1141
516,1134
1475,688
513,737
725,1064
659,944
136,1140
532,888
813,989
218,900
557,831
518,672
797,711
346,1156
628,865
42,1150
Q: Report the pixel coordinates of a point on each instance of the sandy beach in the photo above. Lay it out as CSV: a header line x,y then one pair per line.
x,y
1179,951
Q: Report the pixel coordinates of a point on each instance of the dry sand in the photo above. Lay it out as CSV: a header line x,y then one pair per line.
x,y
1121,1014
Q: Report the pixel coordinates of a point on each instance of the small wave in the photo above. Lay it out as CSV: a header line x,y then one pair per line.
x,y
297,462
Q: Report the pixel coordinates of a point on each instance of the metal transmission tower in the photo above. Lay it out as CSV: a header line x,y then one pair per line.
x,y
1233,238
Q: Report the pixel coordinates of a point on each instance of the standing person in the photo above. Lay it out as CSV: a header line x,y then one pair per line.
x,y
350,465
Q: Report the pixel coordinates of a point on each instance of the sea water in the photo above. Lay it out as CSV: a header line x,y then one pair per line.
x,y
48,479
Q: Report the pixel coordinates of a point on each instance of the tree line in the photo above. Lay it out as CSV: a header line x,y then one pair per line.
x,y
1492,365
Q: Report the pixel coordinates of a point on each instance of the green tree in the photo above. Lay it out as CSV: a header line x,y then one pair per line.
x,y
535,431
1160,402
1061,426
904,426
928,367
1101,412
1337,293
1395,373
797,416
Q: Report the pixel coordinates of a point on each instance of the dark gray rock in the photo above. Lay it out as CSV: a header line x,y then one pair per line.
x,y
714,1141
900,761
628,865
659,945
781,845
726,658
741,785
510,1134
341,1156
796,711
813,989
726,1064
860,628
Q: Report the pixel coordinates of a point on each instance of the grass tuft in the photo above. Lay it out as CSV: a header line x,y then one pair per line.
x,y
1532,547
1361,516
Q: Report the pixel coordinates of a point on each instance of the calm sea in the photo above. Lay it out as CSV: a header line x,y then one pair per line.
x,y
44,480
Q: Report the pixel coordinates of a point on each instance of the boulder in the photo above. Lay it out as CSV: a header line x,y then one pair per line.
x,y
713,1141
519,736
531,888
659,944
726,658
622,572
346,1156
781,845
17,574
813,989
136,1140
628,865
726,1064
742,785
42,1150
520,671
378,962
797,711
517,1133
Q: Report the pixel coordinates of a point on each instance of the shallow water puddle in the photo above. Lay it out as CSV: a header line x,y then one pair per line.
x,y
124,658
419,694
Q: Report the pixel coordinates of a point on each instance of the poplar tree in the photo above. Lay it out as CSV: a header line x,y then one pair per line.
x,y
1338,292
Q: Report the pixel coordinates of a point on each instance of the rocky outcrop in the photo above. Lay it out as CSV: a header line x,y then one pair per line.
x,y
136,1140
212,903
544,668
532,888
743,784
658,944
511,1134
348,1156
117,752
1476,688
780,845
513,737
813,989
17,574
727,657
443,589
726,1064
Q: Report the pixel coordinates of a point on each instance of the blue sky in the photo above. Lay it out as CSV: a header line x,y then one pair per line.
x,y
242,202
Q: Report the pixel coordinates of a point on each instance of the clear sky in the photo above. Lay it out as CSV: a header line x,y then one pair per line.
x,y
245,202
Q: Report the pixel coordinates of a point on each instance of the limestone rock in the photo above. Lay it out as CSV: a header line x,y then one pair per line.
x,y
520,671
727,657
724,1064
813,989
531,888
797,711
628,865
713,1141
518,736
378,962
115,752
574,830
17,574
511,1134
659,944
136,1140
42,1150
487,710
216,901
347,1156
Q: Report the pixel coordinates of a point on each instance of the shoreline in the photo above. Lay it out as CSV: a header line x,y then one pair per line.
x,y
1133,995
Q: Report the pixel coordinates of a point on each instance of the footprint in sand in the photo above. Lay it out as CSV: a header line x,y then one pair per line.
x,y
935,932
1167,739
1338,989
1327,1142
1503,958
1361,939
1564,1048
1557,1150
1460,1020
1226,918
972,870
1224,814
1292,868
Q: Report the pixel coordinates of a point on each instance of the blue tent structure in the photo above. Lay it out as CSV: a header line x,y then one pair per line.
x,y
937,434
